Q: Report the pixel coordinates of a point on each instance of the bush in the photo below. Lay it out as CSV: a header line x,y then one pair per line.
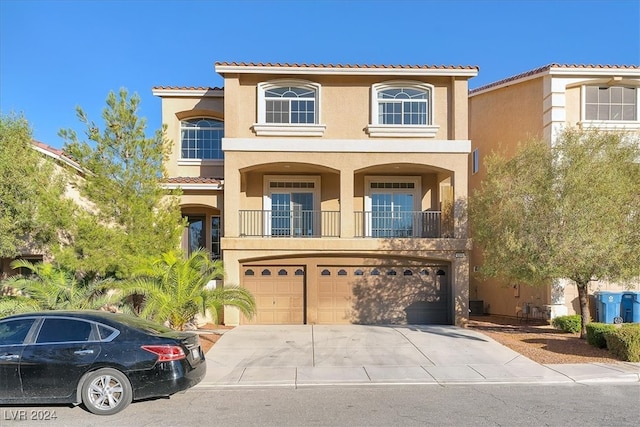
x,y
596,332
571,323
624,342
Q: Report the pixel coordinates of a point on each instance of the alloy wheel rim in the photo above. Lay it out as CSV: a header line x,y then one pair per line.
x,y
105,392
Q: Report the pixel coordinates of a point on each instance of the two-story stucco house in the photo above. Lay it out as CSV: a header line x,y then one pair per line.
x,y
334,193
537,104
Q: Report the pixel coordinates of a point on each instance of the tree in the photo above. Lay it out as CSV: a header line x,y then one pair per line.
x,y
175,289
32,207
52,288
570,211
130,217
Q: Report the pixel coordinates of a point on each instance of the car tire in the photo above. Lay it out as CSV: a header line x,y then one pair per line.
x,y
106,391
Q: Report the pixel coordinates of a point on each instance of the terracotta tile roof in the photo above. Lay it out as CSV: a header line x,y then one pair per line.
x,y
193,180
56,153
48,148
186,88
547,68
346,66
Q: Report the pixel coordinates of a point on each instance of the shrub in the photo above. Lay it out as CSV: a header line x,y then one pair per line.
x,y
571,323
596,332
624,342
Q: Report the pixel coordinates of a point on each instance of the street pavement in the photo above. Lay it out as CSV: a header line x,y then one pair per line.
x,y
312,355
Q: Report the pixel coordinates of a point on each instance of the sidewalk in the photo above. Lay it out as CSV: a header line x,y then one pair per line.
x,y
313,355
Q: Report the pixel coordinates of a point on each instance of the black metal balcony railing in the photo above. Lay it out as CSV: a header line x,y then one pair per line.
x,y
406,224
304,223
289,223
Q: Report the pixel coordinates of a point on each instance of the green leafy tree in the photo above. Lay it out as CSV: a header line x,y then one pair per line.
x,y
52,288
571,211
32,207
174,289
129,216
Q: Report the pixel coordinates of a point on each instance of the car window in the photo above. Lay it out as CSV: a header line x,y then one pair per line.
x,y
64,330
14,331
106,332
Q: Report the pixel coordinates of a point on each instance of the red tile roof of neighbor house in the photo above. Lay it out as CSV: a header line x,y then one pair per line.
x,y
186,88
193,180
346,66
548,67
55,153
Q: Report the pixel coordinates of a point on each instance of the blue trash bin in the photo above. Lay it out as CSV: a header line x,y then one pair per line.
x,y
608,306
630,307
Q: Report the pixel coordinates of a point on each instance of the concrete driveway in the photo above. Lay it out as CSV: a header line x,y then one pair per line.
x,y
304,355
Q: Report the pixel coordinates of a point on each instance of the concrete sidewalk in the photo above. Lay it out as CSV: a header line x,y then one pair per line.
x,y
310,355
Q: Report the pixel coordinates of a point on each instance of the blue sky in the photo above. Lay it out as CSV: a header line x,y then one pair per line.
x,y
56,55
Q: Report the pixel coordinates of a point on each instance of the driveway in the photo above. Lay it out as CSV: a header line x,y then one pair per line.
x,y
305,355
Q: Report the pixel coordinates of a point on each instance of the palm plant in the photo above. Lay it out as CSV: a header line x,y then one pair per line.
x,y
51,288
174,289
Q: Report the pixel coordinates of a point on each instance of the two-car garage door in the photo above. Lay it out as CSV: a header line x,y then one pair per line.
x,y
330,294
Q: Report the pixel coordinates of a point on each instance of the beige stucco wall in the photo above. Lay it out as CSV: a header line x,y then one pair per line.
x,y
345,104
175,109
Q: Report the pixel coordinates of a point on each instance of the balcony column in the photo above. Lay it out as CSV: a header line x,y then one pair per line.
x,y
231,202
346,204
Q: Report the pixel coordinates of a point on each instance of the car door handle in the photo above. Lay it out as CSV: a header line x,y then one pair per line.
x,y
81,352
9,357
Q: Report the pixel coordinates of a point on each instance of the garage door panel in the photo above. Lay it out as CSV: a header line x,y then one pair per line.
x,y
384,294
279,294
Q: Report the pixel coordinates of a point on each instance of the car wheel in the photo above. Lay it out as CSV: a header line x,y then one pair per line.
x,y
106,392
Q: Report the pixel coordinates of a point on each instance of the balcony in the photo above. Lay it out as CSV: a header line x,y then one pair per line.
x,y
318,224
289,223
405,224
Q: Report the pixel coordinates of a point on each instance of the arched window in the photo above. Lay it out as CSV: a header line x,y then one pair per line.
x,y
391,273
299,272
407,273
249,273
201,139
266,272
342,272
325,272
402,108
358,272
289,107
282,272
375,272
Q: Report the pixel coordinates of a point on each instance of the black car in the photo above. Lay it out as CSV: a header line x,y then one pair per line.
x,y
101,359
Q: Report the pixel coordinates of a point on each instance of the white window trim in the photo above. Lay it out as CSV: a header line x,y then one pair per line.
x,y
607,125
267,191
416,190
199,162
375,129
262,128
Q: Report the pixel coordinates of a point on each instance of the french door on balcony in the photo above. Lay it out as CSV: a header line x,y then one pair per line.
x,y
392,215
291,214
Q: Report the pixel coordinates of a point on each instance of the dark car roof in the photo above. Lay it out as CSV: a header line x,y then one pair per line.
x,y
106,317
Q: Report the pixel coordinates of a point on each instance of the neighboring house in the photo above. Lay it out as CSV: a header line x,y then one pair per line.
x,y
538,104
334,193
60,161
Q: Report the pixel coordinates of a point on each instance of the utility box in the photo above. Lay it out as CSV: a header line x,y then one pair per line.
x,y
608,306
630,307
476,307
